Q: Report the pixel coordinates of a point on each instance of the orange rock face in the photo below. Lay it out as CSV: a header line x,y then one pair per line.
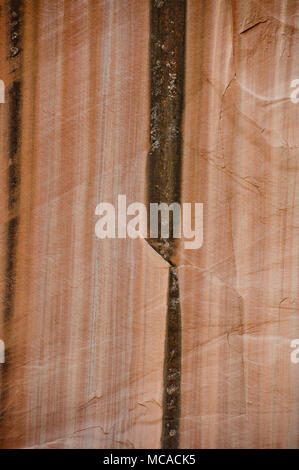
x,y
239,292
86,323
85,333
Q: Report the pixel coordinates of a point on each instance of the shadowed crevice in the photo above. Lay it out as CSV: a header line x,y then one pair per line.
x,y
167,57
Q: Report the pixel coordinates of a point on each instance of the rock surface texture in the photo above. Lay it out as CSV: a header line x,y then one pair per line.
x,y
134,343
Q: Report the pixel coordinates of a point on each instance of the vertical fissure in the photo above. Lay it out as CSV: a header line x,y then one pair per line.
x,y
167,63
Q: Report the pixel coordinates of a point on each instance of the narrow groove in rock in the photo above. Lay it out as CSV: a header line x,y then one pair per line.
x,y
172,366
167,56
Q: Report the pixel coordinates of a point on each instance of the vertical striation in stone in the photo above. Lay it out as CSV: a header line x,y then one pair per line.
x,y
86,335
172,366
14,30
167,46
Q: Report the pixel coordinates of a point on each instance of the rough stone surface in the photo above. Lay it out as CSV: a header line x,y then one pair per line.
x,y
84,320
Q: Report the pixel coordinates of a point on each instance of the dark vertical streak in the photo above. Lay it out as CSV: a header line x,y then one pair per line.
x,y
12,230
167,55
14,13
14,140
172,366
8,299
